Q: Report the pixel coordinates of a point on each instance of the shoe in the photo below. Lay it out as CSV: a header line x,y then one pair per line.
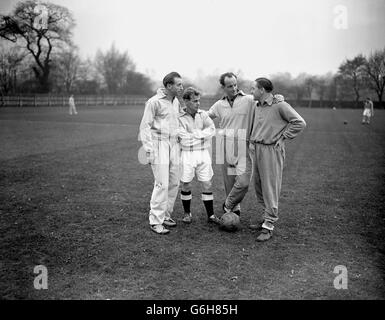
x,y
264,235
159,229
237,212
169,222
257,226
225,209
187,218
214,219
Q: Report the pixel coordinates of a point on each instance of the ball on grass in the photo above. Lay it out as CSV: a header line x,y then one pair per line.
x,y
230,222
345,122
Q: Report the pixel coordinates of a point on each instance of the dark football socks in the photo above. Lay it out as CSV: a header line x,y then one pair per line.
x,y
186,200
208,201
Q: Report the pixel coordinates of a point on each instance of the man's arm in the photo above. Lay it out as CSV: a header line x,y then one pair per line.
x,y
145,127
188,139
278,98
296,123
208,130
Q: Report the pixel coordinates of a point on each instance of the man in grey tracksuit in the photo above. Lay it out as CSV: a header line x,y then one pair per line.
x,y
274,123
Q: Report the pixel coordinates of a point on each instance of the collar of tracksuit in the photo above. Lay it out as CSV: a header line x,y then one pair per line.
x,y
184,112
239,93
162,93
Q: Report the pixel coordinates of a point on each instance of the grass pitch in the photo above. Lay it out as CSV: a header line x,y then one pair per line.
x,y
75,198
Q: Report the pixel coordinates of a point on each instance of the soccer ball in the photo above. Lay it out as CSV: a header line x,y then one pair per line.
x,y
230,222
345,122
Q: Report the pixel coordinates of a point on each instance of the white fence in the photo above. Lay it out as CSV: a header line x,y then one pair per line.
x,y
60,101
82,100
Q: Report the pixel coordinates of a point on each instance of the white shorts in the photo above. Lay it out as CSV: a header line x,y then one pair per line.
x,y
196,162
367,113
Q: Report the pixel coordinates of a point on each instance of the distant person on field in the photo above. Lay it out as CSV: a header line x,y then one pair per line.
x,y
368,111
71,103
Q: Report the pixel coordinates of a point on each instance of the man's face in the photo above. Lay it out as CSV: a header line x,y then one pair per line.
x,y
255,91
193,104
177,88
230,87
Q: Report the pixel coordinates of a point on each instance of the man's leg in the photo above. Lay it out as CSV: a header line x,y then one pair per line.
x,y
257,184
228,179
241,184
174,177
160,169
187,175
186,197
270,166
204,172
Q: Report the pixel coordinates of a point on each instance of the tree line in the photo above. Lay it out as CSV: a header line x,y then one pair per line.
x,y
38,55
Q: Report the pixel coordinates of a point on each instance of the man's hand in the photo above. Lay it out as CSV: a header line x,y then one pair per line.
x,y
278,98
150,157
280,143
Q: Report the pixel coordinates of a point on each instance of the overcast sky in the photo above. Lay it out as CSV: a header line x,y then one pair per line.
x,y
259,37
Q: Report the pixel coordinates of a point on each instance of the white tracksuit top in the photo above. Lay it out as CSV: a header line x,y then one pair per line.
x,y
160,120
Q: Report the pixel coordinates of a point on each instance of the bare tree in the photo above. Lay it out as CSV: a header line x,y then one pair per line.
x,y
113,66
68,66
41,27
325,87
352,71
10,60
375,71
310,84
299,86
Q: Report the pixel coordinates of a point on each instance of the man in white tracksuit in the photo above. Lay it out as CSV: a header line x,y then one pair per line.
x,y
158,130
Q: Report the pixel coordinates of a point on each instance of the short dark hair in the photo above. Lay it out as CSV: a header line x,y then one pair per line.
x,y
264,83
226,75
190,92
169,78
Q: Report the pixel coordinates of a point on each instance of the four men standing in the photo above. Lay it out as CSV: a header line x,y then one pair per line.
x,y
250,137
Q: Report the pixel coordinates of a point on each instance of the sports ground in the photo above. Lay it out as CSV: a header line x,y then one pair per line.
x,y
75,198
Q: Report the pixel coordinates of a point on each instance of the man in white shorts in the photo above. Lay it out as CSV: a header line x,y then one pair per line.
x,y
195,133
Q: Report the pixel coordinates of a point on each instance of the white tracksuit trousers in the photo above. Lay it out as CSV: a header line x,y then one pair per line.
x,y
166,170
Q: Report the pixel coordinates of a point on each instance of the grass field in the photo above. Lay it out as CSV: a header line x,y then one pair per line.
x,y
74,197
